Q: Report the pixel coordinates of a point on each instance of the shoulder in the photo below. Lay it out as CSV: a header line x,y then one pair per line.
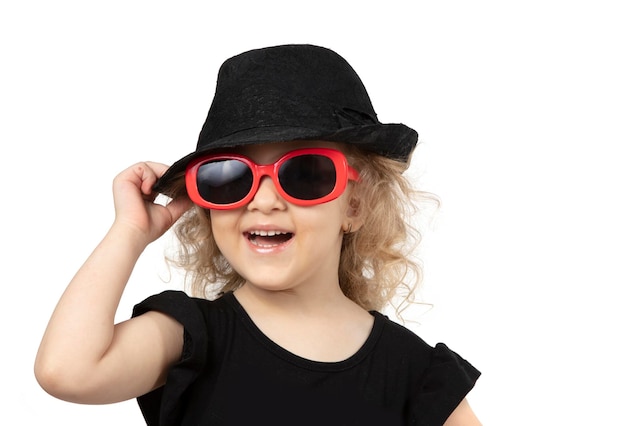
x,y
438,378
439,363
439,356
194,313
394,334
176,300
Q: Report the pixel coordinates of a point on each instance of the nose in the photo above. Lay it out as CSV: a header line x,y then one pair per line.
x,y
266,197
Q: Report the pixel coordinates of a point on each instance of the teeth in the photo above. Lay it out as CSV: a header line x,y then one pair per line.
x,y
267,233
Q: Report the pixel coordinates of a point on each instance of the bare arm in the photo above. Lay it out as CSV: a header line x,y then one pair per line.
x,y
83,356
463,415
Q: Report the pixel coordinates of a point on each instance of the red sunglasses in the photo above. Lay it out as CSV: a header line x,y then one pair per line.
x,y
304,177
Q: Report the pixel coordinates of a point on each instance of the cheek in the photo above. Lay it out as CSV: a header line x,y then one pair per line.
x,y
327,219
223,225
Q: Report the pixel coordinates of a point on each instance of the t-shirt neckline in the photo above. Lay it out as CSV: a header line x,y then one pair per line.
x,y
302,362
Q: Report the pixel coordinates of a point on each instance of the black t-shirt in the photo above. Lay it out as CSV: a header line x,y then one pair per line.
x,y
230,373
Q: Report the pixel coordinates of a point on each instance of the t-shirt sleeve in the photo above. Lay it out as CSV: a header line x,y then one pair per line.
x,y
162,406
445,383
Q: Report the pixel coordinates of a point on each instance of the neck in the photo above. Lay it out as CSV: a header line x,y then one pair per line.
x,y
294,301
322,326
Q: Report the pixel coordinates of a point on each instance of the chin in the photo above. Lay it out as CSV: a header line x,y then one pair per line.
x,y
271,283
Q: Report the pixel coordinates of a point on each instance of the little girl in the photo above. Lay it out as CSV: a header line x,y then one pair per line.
x,y
291,217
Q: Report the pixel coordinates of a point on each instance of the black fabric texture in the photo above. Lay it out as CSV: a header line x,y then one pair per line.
x,y
230,373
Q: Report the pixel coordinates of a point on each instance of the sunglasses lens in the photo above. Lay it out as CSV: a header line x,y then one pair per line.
x,y
224,181
308,177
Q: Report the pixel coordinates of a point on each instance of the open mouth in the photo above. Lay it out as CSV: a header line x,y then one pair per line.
x,y
267,239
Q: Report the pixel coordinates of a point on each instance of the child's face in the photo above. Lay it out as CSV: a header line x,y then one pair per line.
x,y
276,245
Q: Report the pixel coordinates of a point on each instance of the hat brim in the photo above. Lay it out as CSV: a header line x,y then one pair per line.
x,y
375,138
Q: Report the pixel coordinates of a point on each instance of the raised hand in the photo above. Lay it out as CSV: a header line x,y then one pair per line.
x,y
134,201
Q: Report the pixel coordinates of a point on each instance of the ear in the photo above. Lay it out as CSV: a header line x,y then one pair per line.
x,y
354,215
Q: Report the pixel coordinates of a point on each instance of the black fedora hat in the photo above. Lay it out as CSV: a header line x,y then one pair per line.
x,y
293,92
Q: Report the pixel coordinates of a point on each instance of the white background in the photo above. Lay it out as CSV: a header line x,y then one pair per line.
x,y
520,108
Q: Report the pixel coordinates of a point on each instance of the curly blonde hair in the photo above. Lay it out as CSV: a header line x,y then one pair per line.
x,y
377,266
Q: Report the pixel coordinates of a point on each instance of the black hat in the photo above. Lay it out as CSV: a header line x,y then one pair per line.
x,y
293,92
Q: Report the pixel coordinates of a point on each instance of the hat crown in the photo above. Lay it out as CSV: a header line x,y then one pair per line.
x,y
288,93
290,86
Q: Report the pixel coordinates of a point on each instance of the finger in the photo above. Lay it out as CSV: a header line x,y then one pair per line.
x,y
158,168
149,173
178,207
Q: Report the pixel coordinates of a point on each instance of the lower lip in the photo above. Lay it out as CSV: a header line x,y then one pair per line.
x,y
269,249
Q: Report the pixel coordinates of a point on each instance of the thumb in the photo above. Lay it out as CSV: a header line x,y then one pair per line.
x,y
177,207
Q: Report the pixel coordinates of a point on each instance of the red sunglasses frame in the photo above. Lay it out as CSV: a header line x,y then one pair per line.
x,y
343,173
